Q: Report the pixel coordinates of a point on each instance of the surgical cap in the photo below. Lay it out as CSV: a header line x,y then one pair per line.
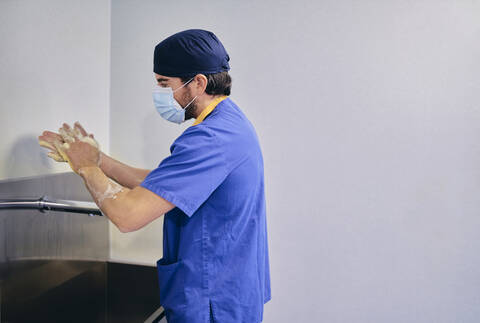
x,y
190,52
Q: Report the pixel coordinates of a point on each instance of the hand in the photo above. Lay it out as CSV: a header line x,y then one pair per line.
x,y
49,140
79,154
61,143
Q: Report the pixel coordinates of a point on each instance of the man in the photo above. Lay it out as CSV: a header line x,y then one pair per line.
x,y
211,188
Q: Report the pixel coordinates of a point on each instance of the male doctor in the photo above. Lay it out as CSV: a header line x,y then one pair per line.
x,y
215,264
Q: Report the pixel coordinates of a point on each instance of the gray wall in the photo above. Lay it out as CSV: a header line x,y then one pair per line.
x,y
54,68
368,115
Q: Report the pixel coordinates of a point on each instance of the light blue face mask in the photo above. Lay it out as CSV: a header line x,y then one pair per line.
x,y
167,106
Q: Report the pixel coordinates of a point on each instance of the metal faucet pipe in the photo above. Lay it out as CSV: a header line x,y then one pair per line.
x,y
44,203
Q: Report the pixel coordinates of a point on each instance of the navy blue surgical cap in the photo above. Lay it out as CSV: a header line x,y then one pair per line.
x,y
190,52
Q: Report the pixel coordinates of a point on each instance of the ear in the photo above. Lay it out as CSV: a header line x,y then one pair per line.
x,y
200,83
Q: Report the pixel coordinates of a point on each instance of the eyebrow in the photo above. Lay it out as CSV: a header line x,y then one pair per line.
x,y
161,79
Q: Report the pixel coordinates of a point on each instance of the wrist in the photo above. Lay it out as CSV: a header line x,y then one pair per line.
x,y
103,162
86,171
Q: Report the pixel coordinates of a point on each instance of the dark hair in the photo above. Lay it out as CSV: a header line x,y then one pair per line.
x,y
217,84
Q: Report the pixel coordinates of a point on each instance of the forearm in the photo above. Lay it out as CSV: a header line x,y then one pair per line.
x,y
125,175
110,197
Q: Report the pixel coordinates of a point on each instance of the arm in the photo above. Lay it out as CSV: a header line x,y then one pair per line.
x,y
125,175
128,209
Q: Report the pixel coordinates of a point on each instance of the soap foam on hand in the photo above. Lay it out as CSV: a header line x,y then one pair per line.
x,y
69,135
48,140
109,191
52,154
58,142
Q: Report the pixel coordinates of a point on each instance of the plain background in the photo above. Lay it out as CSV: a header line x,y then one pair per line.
x,y
368,114
54,68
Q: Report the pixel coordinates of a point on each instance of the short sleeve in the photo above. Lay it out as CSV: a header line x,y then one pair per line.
x,y
195,168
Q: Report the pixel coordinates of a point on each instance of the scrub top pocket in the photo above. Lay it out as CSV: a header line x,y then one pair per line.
x,y
171,282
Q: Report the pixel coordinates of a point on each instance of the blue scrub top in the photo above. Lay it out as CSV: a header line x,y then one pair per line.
x,y
215,251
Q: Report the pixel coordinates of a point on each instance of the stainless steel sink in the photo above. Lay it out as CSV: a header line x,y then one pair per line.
x,y
54,260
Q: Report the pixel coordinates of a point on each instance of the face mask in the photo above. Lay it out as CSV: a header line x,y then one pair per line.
x,y
167,106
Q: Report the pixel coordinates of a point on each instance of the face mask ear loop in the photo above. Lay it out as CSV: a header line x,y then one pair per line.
x,y
184,84
188,105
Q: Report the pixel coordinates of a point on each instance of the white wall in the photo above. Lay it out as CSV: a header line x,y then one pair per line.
x,y
368,113
54,68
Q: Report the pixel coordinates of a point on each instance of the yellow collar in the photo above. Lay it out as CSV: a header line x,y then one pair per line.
x,y
209,109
